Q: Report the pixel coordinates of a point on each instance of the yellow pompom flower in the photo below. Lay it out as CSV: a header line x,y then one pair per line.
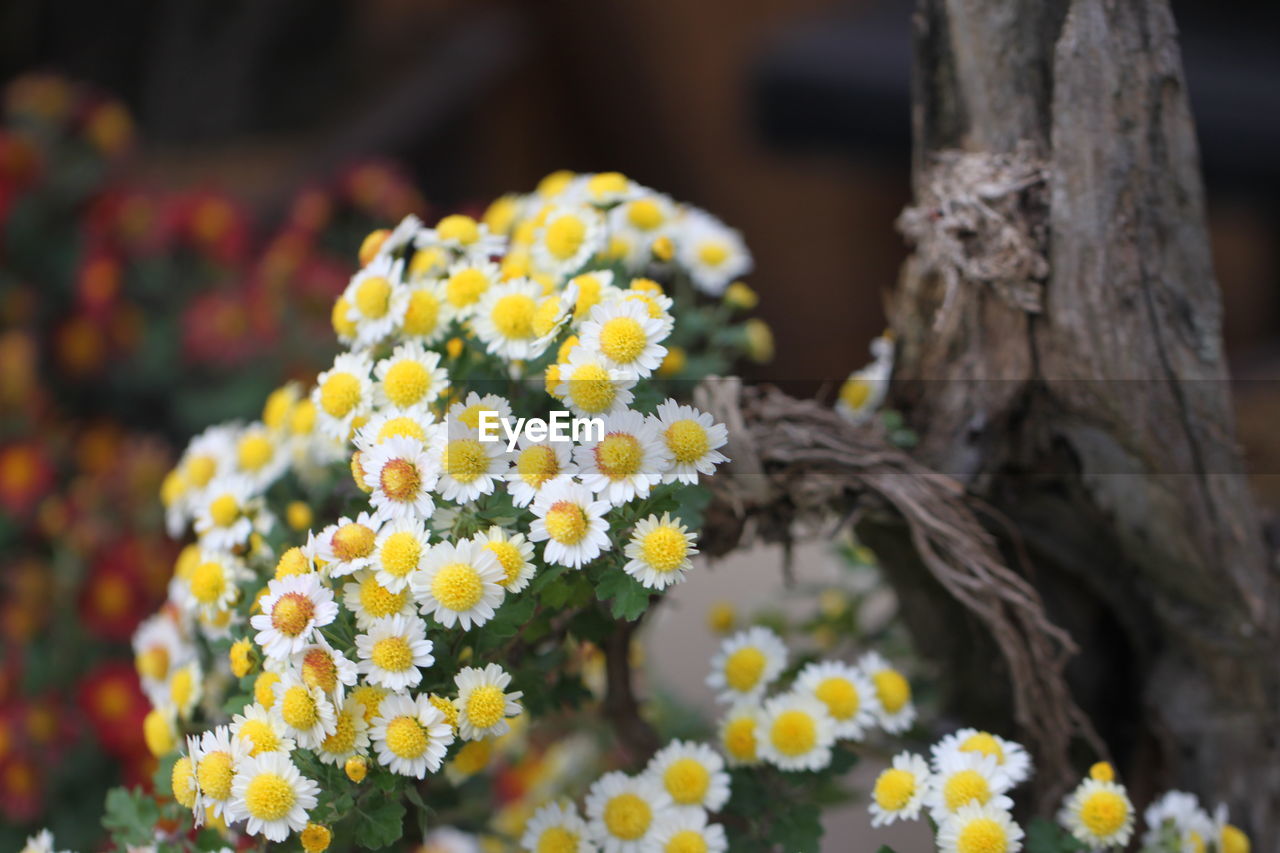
x,y
160,733
315,838
298,515
740,295
242,657
356,768
759,340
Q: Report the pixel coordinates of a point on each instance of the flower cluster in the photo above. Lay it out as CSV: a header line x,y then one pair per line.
x,y
360,643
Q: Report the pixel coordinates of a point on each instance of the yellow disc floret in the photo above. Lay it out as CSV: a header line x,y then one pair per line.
x,y
892,689
840,696
982,835
566,523
400,553
743,668
339,394
894,789
268,796
664,548
963,787
793,732
687,781
465,459
457,586
622,339
298,708
619,455
373,297
513,316
687,440
486,706
1104,812
406,382
406,737
392,654
215,772
627,816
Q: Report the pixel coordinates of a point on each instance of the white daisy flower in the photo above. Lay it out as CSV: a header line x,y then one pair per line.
x,y
41,842
224,519
464,287
368,600
1099,813
966,777
261,456
159,649
975,827
419,311
713,253
460,583
464,236
567,239
623,812
215,763
514,553
537,463
746,664
796,732
447,839
343,393
468,412
386,425
399,550
900,790
605,189
271,795
591,289
558,827
626,336
647,292
401,236
896,711
321,665
504,320
262,730
469,467
347,546
308,714
739,734
483,706
212,586
571,521
393,651
847,693
639,222
293,608
1011,758
410,378
692,774
590,387
370,297
401,473
350,735
693,440
688,829
1179,814
865,389
627,462
209,455
659,552
410,735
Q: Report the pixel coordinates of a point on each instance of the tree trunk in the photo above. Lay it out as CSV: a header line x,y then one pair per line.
x,y
1058,329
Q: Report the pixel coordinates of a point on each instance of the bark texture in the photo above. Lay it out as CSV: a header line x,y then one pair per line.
x,y
1060,354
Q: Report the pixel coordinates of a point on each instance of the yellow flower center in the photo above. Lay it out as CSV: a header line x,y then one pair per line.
x,y
181,687
546,316
606,184
793,732
400,480
158,732
446,707
401,426
224,510
592,389
743,668
215,774
619,456
686,841
392,654
509,558
622,339
687,781
465,287
557,839
894,789
269,796
406,737
370,696
339,394
378,601
406,382
343,739
473,757
400,553
537,465
664,548
984,743
200,470
687,440
183,782
644,214
264,689
513,316
566,522
464,229
589,290
340,318
892,689
319,670
1103,813
465,460
486,706
153,663
208,582
352,541
982,835
565,236
965,787
254,452
740,739
840,696
1102,772
303,419
373,297
457,586
315,838
293,562
627,816
422,314
855,393
1233,840
261,737
292,613
713,254
298,708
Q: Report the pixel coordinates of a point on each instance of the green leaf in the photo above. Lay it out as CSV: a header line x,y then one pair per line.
x,y
628,599
383,824
885,848
798,829
131,816
1044,836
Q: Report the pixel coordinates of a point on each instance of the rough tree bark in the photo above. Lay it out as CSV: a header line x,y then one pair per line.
x,y
1061,317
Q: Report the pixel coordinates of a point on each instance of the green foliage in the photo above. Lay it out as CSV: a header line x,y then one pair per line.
x,y
1045,836
131,816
